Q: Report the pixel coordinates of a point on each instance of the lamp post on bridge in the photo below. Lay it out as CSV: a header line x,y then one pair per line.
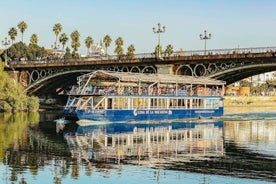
x,y
158,31
55,47
6,42
205,38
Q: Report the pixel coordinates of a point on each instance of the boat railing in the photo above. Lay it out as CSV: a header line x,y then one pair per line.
x,y
153,91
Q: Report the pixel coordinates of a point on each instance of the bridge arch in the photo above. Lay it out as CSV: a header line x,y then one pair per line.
x,y
200,70
235,74
184,70
36,85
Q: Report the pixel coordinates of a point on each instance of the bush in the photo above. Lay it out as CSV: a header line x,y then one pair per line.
x,y
33,104
12,96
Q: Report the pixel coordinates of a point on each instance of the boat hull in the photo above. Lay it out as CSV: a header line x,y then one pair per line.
x,y
70,113
145,114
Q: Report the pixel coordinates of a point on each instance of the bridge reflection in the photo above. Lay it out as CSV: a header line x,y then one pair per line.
x,y
255,136
146,144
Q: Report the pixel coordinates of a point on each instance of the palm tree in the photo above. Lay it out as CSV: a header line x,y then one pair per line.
x,y
34,39
13,33
75,37
22,26
130,51
119,50
169,50
89,42
107,41
57,29
63,40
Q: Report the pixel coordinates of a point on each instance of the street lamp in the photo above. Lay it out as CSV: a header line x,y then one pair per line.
x,y
55,47
205,37
6,42
158,31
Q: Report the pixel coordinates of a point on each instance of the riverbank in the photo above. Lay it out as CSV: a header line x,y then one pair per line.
x,y
240,104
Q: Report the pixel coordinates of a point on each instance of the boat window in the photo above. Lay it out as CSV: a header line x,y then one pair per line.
x,y
198,103
154,103
212,103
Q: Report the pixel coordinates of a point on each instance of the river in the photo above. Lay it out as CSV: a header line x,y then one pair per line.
x,y
238,148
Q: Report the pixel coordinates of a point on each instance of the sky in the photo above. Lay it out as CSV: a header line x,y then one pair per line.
x,y
232,23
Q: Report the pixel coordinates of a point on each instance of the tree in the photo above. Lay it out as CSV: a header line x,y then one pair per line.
x,y
130,51
22,26
89,42
107,41
63,40
158,49
75,37
169,50
119,50
34,39
20,50
13,33
67,54
57,29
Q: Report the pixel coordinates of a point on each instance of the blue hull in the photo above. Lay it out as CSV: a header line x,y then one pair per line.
x,y
70,113
144,115
113,128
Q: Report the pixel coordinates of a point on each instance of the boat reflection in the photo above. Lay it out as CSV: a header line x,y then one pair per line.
x,y
147,144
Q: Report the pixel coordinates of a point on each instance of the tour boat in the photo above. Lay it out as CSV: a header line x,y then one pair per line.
x,y
109,96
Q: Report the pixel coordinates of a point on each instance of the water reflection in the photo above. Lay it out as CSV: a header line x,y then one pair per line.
x,y
256,136
147,144
13,138
33,148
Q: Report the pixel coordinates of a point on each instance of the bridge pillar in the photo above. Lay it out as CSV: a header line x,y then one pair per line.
x,y
14,75
165,69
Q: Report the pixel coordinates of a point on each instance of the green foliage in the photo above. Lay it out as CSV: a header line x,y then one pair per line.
x,y
75,37
34,39
7,107
33,103
67,54
22,26
119,50
13,33
12,96
131,51
20,51
57,29
169,50
107,41
88,43
17,51
63,39
1,68
35,52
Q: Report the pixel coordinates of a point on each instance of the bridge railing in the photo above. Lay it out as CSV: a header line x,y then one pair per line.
x,y
152,55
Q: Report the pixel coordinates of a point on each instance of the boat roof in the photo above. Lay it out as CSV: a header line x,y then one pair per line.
x,y
145,77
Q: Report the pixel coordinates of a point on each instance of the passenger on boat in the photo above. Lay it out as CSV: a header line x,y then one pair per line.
x,y
90,89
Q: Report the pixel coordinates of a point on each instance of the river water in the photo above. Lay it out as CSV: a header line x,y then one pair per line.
x,y
239,148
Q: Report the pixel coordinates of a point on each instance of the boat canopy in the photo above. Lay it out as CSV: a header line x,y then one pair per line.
x,y
150,78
